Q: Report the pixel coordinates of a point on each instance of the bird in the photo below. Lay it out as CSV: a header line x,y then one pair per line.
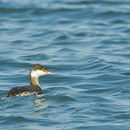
x,y
34,87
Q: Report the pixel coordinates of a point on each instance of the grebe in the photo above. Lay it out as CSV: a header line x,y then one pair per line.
x,y
34,87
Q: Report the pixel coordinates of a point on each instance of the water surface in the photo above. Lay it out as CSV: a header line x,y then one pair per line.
x,y
86,43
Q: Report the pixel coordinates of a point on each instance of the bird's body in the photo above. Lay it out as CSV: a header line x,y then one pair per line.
x,y
34,87
24,90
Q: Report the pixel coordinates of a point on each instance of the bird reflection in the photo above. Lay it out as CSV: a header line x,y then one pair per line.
x,y
39,102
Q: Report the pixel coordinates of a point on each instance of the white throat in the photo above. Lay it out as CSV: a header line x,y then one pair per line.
x,y
37,73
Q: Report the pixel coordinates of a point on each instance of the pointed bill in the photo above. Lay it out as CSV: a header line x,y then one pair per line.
x,y
50,72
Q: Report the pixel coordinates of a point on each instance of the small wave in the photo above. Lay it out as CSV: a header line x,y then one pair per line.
x,y
60,98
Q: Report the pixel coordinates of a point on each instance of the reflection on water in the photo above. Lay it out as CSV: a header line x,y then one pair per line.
x,y
39,102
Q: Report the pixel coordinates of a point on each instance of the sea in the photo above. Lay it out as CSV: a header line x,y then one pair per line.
x,y
86,43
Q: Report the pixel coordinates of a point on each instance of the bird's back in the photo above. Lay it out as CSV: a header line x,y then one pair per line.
x,y
23,90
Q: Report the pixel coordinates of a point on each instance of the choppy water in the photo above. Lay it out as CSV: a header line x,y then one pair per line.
x,y
86,43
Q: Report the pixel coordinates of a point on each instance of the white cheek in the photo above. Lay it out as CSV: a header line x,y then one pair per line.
x,y
37,73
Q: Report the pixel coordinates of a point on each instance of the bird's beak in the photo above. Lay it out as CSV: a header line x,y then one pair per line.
x,y
50,72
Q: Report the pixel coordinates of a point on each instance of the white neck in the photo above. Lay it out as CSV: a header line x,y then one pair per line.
x,y
34,77
37,73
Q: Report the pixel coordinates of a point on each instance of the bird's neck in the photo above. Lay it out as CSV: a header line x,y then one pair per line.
x,y
34,82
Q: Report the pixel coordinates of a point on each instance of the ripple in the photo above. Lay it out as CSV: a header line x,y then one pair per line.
x,y
61,98
122,116
106,90
12,119
35,57
62,37
13,10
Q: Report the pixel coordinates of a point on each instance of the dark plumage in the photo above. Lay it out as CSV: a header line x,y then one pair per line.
x,y
17,91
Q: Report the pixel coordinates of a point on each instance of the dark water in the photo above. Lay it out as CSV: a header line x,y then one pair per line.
x,y
86,43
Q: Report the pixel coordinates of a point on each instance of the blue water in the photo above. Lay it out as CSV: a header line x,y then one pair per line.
x,y
86,43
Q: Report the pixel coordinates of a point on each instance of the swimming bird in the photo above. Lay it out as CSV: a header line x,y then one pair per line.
x,y
34,87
